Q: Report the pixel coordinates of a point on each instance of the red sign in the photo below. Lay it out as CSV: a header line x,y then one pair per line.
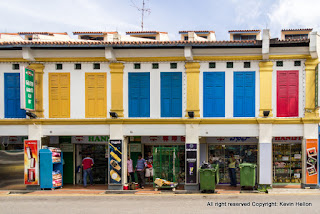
x,y
312,161
31,162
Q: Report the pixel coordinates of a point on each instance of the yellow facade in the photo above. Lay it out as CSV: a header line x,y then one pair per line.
x,y
96,95
38,68
59,95
266,69
310,108
193,72
117,88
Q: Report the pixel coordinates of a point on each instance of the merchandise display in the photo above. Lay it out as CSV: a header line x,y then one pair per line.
x,y
51,168
219,154
287,165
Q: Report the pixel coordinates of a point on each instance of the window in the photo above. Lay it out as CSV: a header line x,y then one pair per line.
x,y
212,65
58,66
239,37
229,64
12,96
137,65
246,64
205,37
296,36
171,94
15,66
214,94
96,95
59,95
139,94
96,66
287,93
244,94
155,65
297,63
279,63
173,65
186,38
149,37
77,66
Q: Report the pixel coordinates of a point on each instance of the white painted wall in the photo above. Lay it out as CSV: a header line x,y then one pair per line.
x,y
74,130
289,65
155,85
148,52
77,86
154,130
221,66
287,130
14,130
229,130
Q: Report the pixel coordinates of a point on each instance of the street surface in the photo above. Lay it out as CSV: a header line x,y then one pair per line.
x,y
162,203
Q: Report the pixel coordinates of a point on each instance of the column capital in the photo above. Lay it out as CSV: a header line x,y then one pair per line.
x,y
266,66
192,67
38,67
116,67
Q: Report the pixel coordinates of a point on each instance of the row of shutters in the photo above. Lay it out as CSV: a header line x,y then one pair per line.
x,y
171,94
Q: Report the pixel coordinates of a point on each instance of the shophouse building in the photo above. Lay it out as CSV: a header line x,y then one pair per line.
x,y
254,95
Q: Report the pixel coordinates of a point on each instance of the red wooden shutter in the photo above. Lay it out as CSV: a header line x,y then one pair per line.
x,y
287,93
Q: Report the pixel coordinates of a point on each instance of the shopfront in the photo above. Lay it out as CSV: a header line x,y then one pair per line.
x,y
12,162
245,150
287,160
146,144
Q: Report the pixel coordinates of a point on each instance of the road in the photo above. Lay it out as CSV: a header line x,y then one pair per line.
x,y
244,203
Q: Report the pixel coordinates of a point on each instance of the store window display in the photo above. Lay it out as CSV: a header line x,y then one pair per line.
x,y
287,164
219,154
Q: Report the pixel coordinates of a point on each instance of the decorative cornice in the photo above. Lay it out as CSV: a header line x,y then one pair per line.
x,y
151,59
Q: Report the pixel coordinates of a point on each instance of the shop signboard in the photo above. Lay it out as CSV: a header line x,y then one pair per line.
x,y
31,162
90,139
312,161
27,89
191,159
115,164
163,139
227,140
287,139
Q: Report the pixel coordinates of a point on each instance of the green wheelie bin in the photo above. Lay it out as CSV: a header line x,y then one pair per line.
x,y
208,179
248,174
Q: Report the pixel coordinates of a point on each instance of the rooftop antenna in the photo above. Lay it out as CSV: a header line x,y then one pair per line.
x,y
143,10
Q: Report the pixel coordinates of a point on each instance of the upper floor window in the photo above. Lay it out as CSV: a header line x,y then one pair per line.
x,y
239,37
139,94
15,66
296,36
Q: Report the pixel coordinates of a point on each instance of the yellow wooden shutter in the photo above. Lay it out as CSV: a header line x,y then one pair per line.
x,y
59,95
96,101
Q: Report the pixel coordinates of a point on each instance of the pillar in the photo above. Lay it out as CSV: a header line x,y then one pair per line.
x,y
116,133
310,108
310,131
193,71
265,154
266,69
117,88
38,68
192,137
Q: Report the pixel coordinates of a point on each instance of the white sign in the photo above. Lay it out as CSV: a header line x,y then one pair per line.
x,y
163,139
287,139
226,140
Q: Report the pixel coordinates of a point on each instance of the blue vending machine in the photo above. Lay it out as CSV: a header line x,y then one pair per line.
x,y
51,168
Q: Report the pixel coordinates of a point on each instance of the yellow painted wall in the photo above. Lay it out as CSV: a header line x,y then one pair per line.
x,y
117,88
193,72
310,87
38,68
96,95
266,69
59,95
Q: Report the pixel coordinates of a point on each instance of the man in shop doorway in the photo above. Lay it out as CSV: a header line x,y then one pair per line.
x,y
87,164
140,168
232,170
130,170
149,168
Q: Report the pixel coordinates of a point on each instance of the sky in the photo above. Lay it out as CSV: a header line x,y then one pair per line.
x,y
169,16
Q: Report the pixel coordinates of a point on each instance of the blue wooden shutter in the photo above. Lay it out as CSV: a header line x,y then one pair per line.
x,y
139,94
12,96
244,94
214,94
171,94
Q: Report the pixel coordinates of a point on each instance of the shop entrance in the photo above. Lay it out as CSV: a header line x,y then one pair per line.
x,y
99,154
219,154
287,163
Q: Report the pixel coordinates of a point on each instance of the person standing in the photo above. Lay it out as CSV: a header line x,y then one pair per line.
x,y
87,164
232,170
149,168
140,168
130,169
